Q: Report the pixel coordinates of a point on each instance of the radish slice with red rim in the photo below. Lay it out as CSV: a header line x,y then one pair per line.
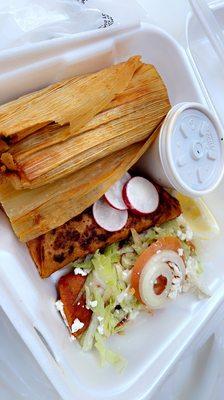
x,y
114,194
140,196
109,218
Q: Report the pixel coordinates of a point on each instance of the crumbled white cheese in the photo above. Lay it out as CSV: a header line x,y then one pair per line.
x,y
180,252
100,329
188,235
72,338
60,307
93,303
81,271
181,235
176,288
100,319
77,325
193,282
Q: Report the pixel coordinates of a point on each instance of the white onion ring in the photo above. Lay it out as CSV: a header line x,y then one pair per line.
x,y
153,269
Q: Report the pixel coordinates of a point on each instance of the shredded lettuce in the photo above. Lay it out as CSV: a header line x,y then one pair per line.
x,y
200,268
104,269
86,264
128,260
107,355
138,244
87,339
167,229
99,309
112,252
107,286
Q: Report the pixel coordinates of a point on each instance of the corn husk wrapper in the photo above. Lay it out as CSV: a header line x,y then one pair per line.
x,y
82,150
128,119
74,101
35,212
140,85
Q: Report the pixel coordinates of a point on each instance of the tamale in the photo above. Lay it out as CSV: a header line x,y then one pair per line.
x,y
73,101
140,85
131,119
81,235
92,154
75,153
34,212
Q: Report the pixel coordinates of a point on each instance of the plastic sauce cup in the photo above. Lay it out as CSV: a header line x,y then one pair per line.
x,y
188,153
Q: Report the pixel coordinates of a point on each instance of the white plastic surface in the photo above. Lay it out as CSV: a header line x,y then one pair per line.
x,y
209,23
21,377
27,21
204,59
151,344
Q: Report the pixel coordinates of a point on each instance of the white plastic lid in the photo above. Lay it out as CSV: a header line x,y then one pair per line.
x,y
191,149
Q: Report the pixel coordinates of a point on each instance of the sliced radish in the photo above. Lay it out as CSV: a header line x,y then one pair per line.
x,y
114,194
140,196
109,218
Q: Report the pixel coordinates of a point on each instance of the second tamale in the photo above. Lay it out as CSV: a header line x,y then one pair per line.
x,y
34,212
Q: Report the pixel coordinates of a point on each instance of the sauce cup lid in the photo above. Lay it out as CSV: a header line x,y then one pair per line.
x,y
191,149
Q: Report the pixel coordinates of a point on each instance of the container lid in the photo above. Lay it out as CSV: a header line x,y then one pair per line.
x,y
192,149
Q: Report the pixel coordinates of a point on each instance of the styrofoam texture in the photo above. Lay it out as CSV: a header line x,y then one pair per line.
x,y
205,62
151,344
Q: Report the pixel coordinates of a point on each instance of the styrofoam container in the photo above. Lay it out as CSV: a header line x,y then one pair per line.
x,y
151,345
205,62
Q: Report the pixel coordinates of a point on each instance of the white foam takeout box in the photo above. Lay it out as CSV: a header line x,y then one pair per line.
x,y
151,345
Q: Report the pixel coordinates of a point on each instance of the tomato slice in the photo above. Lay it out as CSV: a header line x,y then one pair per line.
x,y
165,243
70,292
